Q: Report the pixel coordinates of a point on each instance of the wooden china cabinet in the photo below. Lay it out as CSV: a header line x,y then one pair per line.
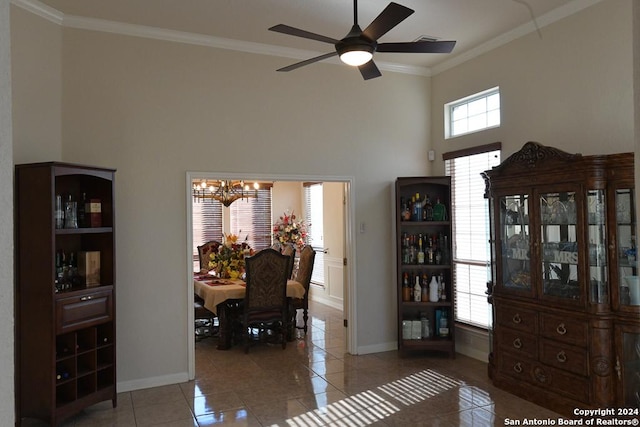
x,y
65,289
423,247
565,296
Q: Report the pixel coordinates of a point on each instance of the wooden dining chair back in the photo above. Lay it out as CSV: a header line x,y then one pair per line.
x,y
303,276
265,302
204,253
290,251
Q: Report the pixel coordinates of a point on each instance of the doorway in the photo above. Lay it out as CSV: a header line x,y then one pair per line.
x,y
346,238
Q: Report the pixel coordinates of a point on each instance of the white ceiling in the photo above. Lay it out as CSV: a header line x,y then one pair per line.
x,y
472,23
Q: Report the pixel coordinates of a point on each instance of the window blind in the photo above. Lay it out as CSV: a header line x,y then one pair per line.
x,y
251,219
470,216
313,200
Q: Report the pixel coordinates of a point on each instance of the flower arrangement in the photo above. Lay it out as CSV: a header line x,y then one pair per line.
x,y
229,262
289,230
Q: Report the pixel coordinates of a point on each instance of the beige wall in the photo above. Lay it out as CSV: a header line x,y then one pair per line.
x,y
571,89
6,223
37,92
155,110
287,197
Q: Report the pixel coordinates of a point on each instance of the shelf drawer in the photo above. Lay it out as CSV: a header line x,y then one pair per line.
x,y
83,310
559,328
517,342
518,318
550,379
565,357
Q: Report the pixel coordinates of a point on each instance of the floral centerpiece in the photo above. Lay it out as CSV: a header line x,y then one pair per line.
x,y
229,262
288,230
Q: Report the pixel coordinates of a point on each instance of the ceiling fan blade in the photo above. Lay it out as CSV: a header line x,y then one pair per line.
x,y
292,31
369,70
417,47
308,61
391,16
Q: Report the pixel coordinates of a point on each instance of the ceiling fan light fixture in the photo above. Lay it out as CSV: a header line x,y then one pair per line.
x,y
356,57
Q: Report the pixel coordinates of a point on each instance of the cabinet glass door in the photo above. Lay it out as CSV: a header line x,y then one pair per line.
x,y
514,233
598,275
559,245
629,287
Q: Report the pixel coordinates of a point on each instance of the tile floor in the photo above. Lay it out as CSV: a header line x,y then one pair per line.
x,y
314,383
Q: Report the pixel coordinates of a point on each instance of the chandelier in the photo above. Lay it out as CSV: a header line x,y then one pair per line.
x,y
225,191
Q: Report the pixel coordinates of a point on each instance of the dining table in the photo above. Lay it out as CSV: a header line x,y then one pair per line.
x,y
223,296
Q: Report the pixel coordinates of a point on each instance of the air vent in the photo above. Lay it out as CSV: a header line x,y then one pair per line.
x,y
427,39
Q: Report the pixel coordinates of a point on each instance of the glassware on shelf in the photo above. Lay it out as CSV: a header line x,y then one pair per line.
x,y
70,213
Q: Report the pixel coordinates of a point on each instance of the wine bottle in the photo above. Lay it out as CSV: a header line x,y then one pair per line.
x,y
425,287
417,290
82,220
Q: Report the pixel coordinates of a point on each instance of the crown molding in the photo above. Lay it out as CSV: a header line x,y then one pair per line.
x,y
40,9
530,27
93,24
134,30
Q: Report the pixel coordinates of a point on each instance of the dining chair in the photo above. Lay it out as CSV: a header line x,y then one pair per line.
x,y
204,253
205,321
265,301
303,276
290,251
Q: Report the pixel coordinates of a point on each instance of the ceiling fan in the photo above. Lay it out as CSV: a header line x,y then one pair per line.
x,y
357,47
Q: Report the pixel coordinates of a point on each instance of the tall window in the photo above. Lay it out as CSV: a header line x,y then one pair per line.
x,y
472,113
247,218
470,215
314,208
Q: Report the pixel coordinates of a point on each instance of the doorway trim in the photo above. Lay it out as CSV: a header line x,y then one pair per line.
x,y
350,248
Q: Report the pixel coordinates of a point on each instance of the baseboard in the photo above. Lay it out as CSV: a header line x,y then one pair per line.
x,y
140,384
378,348
327,301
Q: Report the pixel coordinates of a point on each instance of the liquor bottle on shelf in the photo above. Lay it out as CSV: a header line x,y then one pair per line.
x,y
425,288
70,213
443,329
405,214
406,289
427,213
417,290
445,251
416,214
434,289
59,212
82,220
425,327
439,211
420,251
443,288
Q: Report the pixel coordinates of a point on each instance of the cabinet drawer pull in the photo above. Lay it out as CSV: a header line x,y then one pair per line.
x,y
518,368
517,318
561,329
517,343
561,357
87,298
